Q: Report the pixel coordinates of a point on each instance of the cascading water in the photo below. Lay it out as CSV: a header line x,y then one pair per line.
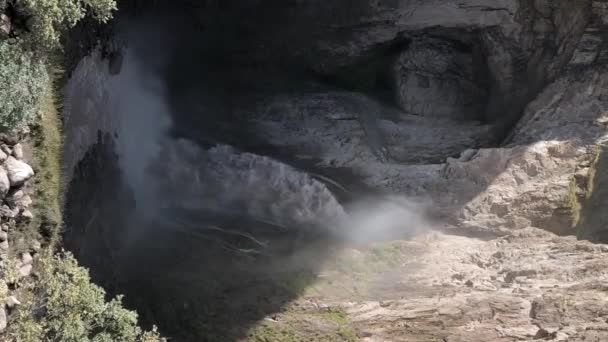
x,y
169,177
174,222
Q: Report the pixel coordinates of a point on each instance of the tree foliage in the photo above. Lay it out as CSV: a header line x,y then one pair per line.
x,y
22,81
49,18
23,75
75,310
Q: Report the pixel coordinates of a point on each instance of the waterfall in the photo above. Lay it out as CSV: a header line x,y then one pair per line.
x,y
164,173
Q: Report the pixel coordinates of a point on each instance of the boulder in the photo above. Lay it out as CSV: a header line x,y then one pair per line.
x,y
25,270
6,149
10,139
3,320
5,25
27,215
35,246
12,302
26,259
18,151
4,246
3,156
18,171
4,183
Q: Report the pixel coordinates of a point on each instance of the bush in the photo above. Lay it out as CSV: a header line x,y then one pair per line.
x,y
49,18
74,310
23,79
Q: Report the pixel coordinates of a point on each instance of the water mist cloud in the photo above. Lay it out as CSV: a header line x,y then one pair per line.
x,y
383,218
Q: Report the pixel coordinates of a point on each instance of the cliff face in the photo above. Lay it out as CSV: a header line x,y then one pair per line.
x,y
261,120
416,83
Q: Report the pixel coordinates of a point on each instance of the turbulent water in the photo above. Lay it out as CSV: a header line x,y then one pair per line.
x,y
167,174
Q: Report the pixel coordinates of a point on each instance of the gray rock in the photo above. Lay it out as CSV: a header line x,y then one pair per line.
x,y
6,149
4,246
3,236
3,156
12,302
35,246
6,211
28,215
18,151
5,25
15,196
3,320
18,171
25,202
11,139
26,259
4,182
25,270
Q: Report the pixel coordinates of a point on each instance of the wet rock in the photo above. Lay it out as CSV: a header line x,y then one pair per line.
x,y
18,171
18,151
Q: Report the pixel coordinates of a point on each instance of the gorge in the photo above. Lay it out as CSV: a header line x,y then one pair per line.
x,y
397,170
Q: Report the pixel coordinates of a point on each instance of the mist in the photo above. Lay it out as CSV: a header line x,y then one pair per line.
x,y
181,185
173,200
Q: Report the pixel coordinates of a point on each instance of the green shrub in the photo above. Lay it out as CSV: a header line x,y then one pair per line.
x,y
75,310
23,79
49,18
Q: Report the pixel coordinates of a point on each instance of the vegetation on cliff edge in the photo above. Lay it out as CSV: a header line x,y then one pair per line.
x,y
59,302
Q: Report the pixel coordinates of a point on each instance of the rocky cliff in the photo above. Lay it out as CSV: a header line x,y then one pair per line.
x,y
491,116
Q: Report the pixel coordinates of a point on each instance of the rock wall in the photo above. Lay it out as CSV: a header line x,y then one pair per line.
x,y
461,73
